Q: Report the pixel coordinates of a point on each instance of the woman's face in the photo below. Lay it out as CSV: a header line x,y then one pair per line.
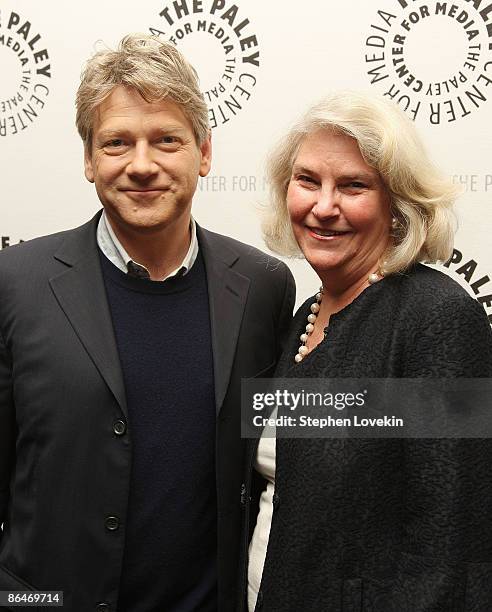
x,y
338,206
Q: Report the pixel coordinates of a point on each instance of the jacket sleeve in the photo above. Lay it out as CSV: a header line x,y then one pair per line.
x,y
285,317
446,559
7,427
453,340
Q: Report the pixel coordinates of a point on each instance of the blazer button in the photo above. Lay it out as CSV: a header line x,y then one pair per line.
x,y
243,493
112,523
102,607
119,427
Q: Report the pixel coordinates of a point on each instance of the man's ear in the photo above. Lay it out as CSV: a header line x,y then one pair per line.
x,y
88,167
206,152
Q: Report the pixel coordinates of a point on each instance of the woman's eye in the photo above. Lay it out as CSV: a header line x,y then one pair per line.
x,y
356,185
304,178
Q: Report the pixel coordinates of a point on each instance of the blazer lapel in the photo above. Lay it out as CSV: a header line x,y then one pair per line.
x,y
227,293
81,293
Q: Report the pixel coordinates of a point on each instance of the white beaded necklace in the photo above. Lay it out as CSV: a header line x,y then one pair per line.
x,y
303,349
315,306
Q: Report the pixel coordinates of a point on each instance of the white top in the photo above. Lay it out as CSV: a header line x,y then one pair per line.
x,y
109,244
265,465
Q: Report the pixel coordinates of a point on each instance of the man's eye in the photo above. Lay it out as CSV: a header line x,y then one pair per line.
x,y
114,142
169,140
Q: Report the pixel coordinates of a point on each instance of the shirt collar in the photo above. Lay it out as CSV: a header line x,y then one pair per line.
x,y
115,252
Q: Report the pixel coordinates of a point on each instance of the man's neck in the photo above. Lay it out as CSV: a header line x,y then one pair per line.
x,y
160,251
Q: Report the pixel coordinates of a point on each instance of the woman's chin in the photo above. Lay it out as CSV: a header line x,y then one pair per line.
x,y
324,265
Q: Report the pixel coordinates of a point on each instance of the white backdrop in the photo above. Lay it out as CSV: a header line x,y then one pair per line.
x,y
261,64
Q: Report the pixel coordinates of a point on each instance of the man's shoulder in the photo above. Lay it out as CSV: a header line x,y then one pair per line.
x,y
271,284
35,253
33,247
246,254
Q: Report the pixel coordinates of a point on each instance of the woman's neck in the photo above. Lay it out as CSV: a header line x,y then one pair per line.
x,y
337,295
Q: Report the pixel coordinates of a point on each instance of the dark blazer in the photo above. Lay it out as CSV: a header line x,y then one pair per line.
x,y
385,525
64,463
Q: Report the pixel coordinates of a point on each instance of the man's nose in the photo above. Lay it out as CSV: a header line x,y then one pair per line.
x,y
327,203
142,163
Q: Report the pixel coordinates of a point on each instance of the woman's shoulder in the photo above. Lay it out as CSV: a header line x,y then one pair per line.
x,y
424,287
428,298
422,277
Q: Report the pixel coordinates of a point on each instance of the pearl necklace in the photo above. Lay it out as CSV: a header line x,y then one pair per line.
x,y
303,350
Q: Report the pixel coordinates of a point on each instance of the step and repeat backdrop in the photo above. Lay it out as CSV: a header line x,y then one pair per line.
x,y
260,65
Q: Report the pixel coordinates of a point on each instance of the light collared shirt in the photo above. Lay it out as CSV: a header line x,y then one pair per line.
x,y
115,252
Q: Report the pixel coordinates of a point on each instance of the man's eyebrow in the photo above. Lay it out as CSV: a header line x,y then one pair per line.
x,y
108,133
170,128
111,133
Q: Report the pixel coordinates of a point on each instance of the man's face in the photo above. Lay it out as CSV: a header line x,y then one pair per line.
x,y
145,162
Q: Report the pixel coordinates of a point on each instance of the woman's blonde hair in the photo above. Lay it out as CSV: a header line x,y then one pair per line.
x,y
154,68
421,196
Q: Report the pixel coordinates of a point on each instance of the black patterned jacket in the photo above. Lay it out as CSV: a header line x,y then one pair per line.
x,y
384,525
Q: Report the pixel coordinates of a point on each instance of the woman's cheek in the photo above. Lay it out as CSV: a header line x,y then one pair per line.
x,y
298,203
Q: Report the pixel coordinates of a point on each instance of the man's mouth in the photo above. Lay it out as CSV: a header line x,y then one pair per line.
x,y
143,190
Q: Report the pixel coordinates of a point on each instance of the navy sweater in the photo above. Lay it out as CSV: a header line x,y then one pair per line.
x,y
163,336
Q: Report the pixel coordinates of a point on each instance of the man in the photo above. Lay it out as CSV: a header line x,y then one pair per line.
x,y
122,347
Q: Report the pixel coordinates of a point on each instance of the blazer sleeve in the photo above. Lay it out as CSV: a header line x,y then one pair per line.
x,y
7,427
446,561
286,310
453,340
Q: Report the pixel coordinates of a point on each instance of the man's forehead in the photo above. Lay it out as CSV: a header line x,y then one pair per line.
x,y
124,103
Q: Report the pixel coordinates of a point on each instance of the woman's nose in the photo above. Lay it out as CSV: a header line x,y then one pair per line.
x,y
327,204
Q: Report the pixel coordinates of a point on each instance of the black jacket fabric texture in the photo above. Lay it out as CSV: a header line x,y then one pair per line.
x,y
65,436
385,525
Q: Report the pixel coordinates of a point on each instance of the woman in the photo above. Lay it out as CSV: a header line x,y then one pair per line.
x,y
380,525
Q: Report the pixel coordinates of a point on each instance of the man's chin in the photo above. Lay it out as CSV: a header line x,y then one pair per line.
x,y
147,224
